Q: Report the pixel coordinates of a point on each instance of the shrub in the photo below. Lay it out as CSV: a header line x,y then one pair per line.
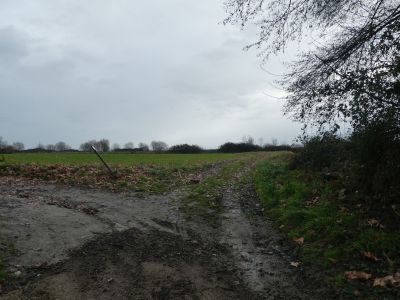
x,y
376,153
185,148
7,149
322,152
293,148
368,164
238,147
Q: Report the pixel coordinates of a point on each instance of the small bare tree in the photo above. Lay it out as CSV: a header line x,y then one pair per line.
x,y
62,146
87,146
103,145
143,146
51,147
248,139
3,143
18,146
159,146
129,145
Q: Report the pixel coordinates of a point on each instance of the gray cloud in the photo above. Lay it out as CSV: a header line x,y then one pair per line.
x,y
74,70
13,45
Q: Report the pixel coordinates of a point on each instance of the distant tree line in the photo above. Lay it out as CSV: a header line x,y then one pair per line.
x,y
103,145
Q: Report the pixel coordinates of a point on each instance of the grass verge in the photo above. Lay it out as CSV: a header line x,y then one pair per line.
x,y
336,237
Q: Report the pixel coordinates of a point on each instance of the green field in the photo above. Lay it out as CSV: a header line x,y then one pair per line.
x,y
122,159
145,173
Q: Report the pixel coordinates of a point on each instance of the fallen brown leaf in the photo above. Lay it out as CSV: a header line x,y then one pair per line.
x,y
299,241
370,256
295,264
357,275
389,279
373,222
382,281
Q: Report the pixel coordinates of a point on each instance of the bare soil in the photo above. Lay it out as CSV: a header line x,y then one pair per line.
x,y
77,243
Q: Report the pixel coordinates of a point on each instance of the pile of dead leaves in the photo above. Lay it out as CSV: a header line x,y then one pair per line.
x,y
145,178
388,280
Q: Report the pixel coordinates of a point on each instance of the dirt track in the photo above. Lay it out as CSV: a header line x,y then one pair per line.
x,y
74,243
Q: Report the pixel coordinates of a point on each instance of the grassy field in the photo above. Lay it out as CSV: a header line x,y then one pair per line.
x,y
143,173
122,159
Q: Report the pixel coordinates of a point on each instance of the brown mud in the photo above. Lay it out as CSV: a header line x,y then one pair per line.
x,y
76,243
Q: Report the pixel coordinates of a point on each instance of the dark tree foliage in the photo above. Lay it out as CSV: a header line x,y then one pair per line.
x,y
238,147
353,75
185,148
7,149
376,151
325,152
294,148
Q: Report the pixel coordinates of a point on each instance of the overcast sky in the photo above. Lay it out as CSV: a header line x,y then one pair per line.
x,y
133,71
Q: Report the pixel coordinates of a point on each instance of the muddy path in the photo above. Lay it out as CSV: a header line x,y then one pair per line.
x,y
76,243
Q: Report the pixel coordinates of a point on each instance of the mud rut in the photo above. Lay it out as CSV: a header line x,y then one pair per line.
x,y
75,243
